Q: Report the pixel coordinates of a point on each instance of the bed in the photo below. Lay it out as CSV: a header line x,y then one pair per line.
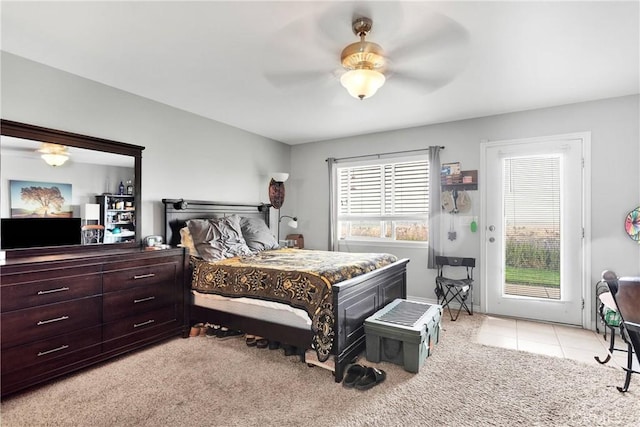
x,y
330,319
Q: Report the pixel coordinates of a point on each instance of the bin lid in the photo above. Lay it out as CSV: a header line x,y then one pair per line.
x,y
405,313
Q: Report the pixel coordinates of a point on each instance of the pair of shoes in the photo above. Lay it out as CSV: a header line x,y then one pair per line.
x,y
274,345
262,343
363,377
211,330
225,333
289,350
196,330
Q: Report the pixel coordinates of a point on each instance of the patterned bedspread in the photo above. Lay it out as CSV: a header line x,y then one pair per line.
x,y
300,278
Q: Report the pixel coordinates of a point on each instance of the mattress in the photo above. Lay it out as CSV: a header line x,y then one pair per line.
x,y
273,312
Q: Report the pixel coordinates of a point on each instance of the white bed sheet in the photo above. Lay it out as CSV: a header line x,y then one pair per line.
x,y
255,308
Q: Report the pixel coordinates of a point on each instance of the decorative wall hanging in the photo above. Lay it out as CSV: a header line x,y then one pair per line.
x,y
632,224
30,199
276,193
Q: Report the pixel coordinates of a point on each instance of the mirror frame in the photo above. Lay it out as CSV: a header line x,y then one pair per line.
x,y
42,134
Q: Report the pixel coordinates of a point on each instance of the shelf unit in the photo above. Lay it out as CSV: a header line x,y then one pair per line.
x,y
118,215
456,182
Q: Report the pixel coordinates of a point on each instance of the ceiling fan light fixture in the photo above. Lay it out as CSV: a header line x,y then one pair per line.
x,y
364,62
54,154
362,83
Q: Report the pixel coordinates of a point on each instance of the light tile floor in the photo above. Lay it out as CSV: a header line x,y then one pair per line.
x,y
549,339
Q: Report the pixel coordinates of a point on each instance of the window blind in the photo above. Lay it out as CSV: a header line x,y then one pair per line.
x,y
384,195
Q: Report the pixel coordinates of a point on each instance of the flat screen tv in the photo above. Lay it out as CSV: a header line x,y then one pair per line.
x,y
20,233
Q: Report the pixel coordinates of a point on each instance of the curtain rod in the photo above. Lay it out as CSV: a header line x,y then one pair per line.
x,y
381,154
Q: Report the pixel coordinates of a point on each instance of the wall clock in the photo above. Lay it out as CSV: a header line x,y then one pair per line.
x,y
632,224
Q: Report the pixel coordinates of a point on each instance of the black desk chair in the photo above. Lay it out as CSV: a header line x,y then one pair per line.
x,y
458,290
626,294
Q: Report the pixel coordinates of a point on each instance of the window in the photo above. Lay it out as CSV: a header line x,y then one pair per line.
x,y
384,201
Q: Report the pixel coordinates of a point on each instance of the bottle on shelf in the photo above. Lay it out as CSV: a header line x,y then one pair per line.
x,y
121,188
129,188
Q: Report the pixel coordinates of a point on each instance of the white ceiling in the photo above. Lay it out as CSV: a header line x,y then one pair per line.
x,y
271,67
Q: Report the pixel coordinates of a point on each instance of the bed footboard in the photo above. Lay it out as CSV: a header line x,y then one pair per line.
x,y
356,299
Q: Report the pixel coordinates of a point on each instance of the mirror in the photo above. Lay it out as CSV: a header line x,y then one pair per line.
x,y
73,180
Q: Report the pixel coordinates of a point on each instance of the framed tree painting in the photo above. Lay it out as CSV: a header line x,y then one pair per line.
x,y
32,199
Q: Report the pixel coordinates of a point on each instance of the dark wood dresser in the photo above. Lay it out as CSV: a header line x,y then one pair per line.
x,y
63,312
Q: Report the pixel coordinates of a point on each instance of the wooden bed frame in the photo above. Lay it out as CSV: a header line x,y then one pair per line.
x,y
353,300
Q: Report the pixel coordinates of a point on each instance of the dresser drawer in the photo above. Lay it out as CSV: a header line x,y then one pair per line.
x,y
122,335
37,323
139,276
49,349
40,292
140,299
138,323
34,374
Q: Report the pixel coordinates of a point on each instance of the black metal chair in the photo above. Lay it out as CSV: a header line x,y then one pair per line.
x,y
458,290
608,312
626,294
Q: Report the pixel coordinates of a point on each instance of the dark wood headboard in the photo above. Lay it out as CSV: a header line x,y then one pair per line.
x,y
178,211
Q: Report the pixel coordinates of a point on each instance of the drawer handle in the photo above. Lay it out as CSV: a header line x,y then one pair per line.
x,y
57,319
51,291
44,353
148,322
136,301
143,276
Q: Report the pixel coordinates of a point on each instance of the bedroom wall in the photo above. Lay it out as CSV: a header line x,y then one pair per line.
x,y
186,156
614,187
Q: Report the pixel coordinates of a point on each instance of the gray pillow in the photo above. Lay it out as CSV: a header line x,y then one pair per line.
x,y
219,238
257,234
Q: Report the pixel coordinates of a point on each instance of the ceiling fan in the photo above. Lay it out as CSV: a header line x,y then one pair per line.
x,y
426,50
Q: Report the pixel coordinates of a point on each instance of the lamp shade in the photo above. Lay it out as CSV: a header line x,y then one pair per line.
x,y
362,83
292,223
55,159
279,176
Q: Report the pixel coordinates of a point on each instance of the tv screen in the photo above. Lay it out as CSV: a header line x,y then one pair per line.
x,y
19,233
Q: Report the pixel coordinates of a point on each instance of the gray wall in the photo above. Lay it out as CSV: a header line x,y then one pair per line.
x,y
614,186
186,156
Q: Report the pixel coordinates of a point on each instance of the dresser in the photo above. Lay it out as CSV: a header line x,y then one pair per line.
x,y
60,313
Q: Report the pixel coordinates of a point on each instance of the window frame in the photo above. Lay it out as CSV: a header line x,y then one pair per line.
x,y
382,217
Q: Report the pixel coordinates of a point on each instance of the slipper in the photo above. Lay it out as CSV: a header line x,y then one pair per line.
x,y
274,345
196,330
250,340
262,343
372,377
353,375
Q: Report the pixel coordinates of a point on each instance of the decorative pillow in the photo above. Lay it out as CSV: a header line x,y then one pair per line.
x,y
257,234
218,238
186,241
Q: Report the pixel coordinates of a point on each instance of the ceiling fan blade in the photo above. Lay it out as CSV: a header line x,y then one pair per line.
x,y
299,78
424,83
434,34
